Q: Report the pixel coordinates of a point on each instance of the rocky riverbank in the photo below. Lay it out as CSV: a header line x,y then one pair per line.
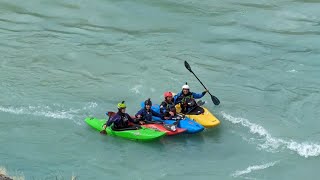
x,y
3,177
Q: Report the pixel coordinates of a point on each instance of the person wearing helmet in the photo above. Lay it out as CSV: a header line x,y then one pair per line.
x,y
167,107
186,99
120,120
146,113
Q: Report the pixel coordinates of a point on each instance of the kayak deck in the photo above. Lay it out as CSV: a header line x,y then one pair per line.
x,y
191,126
187,123
155,126
206,119
161,128
143,134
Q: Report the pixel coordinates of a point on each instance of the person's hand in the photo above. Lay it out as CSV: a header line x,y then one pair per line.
x,y
166,118
182,116
171,113
139,116
141,122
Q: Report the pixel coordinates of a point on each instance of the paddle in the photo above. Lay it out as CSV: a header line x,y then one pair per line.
x,y
178,120
214,99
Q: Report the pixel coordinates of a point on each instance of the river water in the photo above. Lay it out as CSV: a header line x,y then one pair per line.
x,y
62,61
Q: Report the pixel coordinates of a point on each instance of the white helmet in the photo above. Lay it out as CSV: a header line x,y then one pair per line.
x,y
186,86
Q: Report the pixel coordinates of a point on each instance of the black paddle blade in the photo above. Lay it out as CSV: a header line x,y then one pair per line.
x,y
215,100
186,64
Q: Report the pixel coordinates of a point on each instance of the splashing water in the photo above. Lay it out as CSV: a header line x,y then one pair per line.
x,y
305,149
254,168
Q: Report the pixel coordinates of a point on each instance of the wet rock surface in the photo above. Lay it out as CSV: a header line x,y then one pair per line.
x,y
3,177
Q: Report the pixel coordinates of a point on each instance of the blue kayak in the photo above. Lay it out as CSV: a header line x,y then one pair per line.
x,y
186,123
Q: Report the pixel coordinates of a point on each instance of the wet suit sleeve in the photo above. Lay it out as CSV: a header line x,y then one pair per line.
x,y
198,95
177,99
112,120
140,112
130,119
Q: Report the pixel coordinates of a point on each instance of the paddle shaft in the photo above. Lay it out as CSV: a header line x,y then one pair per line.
x,y
214,99
201,82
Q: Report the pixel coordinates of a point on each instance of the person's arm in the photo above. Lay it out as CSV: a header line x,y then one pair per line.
x,y
108,123
131,119
139,113
198,95
176,98
111,120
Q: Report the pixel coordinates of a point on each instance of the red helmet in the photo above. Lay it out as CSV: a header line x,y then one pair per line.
x,y
167,94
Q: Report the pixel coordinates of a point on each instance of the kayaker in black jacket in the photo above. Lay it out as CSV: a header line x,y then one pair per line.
x,y
187,102
167,107
120,120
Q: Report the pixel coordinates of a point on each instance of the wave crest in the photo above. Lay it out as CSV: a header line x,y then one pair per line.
x,y
270,143
254,168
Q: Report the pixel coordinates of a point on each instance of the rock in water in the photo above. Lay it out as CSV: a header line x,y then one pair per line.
x,y
3,177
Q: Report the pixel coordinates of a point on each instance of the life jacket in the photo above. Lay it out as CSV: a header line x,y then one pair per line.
x,y
147,114
169,106
186,99
121,120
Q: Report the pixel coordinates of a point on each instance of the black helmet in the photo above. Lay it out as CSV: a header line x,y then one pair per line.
x,y
148,102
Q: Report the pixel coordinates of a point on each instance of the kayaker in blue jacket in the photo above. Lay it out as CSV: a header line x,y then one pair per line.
x,y
120,120
187,102
146,113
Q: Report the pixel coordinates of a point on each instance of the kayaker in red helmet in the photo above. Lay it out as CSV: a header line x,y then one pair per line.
x,y
187,102
120,121
167,107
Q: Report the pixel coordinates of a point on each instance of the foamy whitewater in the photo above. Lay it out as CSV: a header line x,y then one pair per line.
x,y
254,168
305,149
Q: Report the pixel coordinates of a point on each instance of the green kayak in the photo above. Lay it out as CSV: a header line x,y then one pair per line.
x,y
143,134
